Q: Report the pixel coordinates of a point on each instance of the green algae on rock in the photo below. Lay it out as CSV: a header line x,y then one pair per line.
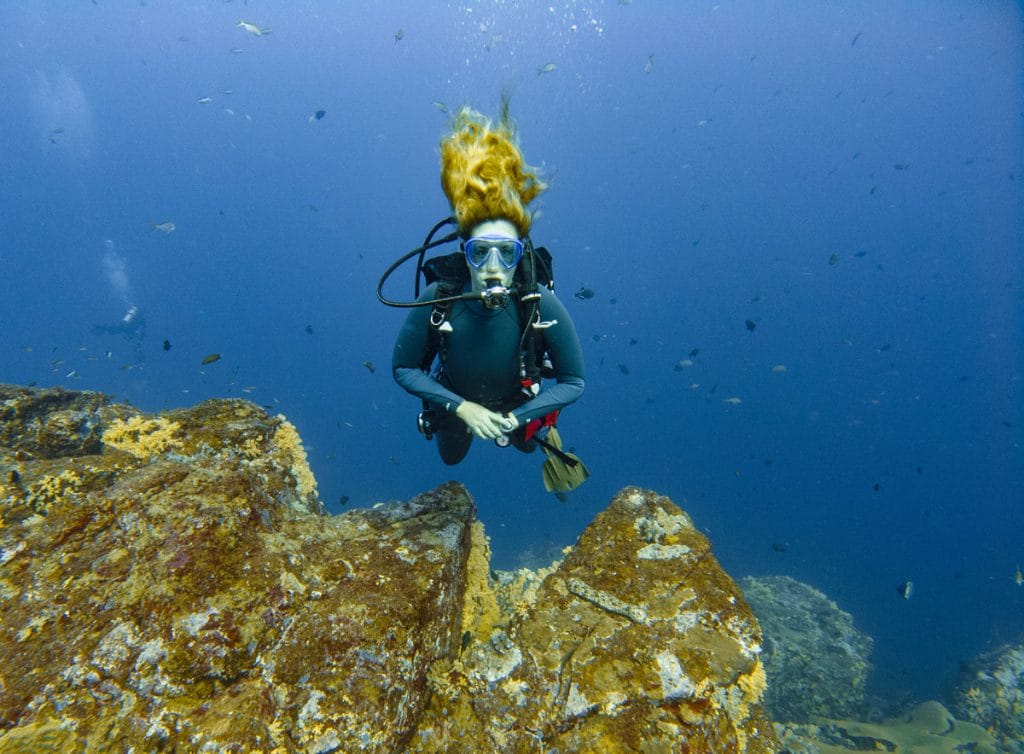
x,y
927,728
170,582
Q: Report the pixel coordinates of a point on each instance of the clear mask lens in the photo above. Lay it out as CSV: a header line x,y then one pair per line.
x,y
479,250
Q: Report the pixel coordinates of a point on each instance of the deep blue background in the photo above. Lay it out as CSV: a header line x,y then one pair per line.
x,y
766,142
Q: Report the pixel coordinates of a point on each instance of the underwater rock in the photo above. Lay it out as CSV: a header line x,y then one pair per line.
x,y
928,728
170,582
175,587
991,693
817,662
636,641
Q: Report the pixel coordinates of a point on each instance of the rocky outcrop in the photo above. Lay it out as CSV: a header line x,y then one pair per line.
x,y
170,583
637,641
927,728
991,693
816,660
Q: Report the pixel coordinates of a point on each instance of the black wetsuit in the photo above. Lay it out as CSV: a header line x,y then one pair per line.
x,y
481,364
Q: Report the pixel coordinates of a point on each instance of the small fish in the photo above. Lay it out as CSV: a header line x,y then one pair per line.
x,y
876,487
855,38
343,500
72,374
751,324
438,104
249,389
901,166
633,341
779,368
860,254
236,50
399,35
905,590
1018,577
253,29
210,358
546,68
780,546
833,259
204,100
167,345
369,365
683,364
734,401
649,66
584,293
166,227
693,386
694,353
562,497
308,329
318,115
624,369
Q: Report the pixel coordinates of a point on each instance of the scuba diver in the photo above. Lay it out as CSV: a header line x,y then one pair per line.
x,y
488,328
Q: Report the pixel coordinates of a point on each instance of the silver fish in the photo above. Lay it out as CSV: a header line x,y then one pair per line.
x,y
253,29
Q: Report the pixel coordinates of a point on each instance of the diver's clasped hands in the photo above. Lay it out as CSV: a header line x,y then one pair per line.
x,y
484,423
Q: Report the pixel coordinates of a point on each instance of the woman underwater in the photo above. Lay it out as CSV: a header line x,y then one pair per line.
x,y
495,327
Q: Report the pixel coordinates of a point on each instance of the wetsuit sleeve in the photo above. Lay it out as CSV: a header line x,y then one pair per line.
x,y
410,351
563,346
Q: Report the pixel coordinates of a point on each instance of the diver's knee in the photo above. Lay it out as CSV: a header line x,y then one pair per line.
x,y
453,446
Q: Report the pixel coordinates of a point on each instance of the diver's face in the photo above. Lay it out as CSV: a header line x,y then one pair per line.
x,y
492,272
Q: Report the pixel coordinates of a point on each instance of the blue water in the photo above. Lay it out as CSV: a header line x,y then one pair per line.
x,y
848,177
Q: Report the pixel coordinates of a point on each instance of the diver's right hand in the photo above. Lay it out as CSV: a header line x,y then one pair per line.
x,y
482,422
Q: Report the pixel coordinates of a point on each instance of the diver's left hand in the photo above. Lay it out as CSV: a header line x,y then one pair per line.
x,y
509,423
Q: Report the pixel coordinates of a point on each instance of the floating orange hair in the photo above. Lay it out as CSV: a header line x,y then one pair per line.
x,y
483,173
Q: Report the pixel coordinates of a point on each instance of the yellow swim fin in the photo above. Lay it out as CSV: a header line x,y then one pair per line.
x,y
562,471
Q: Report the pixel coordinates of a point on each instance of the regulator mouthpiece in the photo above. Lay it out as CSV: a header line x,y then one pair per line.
x,y
496,297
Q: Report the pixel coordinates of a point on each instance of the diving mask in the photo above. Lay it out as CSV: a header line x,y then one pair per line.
x,y
478,250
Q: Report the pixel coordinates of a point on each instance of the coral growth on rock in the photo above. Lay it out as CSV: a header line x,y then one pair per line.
x,y
991,693
636,641
170,582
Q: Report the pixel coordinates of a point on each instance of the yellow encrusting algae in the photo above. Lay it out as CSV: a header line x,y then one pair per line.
x,y
287,439
143,438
